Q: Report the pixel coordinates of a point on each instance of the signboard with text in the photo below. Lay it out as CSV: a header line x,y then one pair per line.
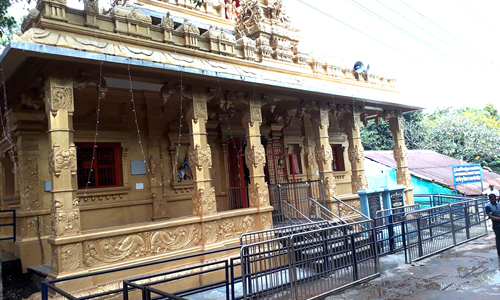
x,y
464,174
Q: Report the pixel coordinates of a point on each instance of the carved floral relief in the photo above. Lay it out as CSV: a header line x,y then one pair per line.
x,y
66,222
330,188
400,153
71,259
61,159
358,182
235,227
256,155
28,177
324,154
200,157
356,154
204,203
129,247
259,195
60,98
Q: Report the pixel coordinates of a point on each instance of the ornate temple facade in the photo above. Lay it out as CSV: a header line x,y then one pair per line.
x,y
155,128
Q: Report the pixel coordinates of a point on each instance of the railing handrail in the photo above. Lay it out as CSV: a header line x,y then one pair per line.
x,y
391,209
296,211
350,207
325,209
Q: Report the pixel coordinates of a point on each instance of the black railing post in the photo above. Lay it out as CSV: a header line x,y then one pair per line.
x,y
232,279
354,258
14,226
452,224
146,294
419,235
226,272
44,291
403,235
125,290
390,232
325,252
467,221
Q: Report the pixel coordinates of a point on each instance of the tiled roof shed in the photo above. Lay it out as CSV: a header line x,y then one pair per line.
x,y
432,166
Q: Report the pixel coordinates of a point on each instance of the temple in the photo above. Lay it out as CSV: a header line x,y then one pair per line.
x,y
160,128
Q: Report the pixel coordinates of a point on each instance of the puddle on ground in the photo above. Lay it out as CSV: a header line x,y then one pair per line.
x,y
490,278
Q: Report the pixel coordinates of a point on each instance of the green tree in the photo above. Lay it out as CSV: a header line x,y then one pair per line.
x,y
491,111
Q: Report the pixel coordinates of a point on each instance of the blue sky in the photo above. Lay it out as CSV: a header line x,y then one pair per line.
x,y
448,54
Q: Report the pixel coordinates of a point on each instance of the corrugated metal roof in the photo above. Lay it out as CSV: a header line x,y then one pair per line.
x,y
430,165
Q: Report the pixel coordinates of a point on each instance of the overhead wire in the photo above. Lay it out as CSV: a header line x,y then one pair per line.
x,y
430,33
362,32
478,17
448,33
428,45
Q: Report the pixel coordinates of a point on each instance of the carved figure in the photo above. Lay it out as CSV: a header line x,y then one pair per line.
x,y
231,13
184,172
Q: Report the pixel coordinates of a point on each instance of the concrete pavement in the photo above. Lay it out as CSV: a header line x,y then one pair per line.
x,y
469,271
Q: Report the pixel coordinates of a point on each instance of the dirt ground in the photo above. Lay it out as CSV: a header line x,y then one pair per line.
x,y
467,272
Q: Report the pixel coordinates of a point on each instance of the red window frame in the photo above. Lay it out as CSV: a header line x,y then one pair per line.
x,y
84,165
338,164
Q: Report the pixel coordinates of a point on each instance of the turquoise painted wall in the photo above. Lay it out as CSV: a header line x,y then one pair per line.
x,y
379,175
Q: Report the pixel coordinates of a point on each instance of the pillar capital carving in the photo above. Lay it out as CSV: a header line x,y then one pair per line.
x,y
59,95
252,114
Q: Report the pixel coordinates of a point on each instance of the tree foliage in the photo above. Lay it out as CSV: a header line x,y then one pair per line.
x,y
466,133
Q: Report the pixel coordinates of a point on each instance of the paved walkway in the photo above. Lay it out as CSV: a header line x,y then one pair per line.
x,y
469,271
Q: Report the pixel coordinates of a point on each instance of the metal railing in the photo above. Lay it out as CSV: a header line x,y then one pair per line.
x,y
52,285
11,214
431,200
310,264
435,229
349,213
298,262
308,198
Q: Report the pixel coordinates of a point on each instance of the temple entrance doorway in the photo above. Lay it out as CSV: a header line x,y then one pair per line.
x,y
280,168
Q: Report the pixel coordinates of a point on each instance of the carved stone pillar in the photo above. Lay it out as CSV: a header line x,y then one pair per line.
x,y
401,154
200,156
310,146
156,161
27,157
65,212
323,151
356,152
255,154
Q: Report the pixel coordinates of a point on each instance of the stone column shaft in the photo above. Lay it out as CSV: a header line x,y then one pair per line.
x,y
324,153
356,151
255,155
62,167
400,153
200,156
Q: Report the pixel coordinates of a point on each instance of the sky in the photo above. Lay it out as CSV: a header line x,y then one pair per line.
x,y
442,53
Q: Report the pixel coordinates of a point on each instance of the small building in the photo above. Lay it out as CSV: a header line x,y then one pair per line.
x,y
431,172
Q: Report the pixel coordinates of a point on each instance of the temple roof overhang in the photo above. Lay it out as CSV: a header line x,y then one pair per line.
x,y
306,87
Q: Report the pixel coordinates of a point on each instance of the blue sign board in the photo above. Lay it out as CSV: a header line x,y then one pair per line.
x,y
464,174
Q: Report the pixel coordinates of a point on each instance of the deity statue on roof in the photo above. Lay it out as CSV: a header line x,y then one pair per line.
x,y
231,13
